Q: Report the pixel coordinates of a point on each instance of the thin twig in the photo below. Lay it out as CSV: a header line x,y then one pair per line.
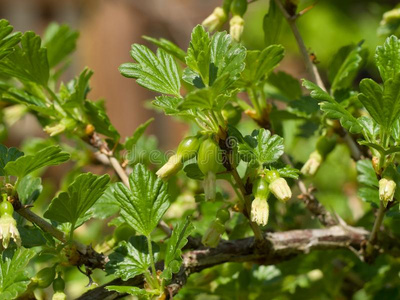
x,y
313,72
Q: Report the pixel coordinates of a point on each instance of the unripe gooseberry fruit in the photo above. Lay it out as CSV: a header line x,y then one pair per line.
x,y
6,208
238,7
223,215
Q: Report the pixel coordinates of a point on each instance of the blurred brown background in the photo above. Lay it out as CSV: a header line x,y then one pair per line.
x,y
107,29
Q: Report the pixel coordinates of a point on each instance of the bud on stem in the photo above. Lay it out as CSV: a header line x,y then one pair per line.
x,y
187,149
209,160
259,206
387,187
278,186
215,20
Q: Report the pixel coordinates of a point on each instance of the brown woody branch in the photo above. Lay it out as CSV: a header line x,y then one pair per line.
x,y
278,247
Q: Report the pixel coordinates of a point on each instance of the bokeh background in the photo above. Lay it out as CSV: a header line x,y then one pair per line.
x,y
108,28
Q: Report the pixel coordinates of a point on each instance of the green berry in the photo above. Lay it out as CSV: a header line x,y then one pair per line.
x,y
272,175
6,208
58,284
209,157
238,7
188,147
325,145
261,188
223,214
45,277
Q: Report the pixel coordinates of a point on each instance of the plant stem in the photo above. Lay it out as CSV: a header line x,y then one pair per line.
x,y
254,100
153,266
311,68
247,204
119,170
377,225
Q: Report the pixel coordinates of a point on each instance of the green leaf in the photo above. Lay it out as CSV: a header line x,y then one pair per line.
x,y
289,172
14,278
28,62
31,236
97,116
131,259
316,92
173,251
168,104
260,64
157,73
387,58
214,97
272,24
146,202
7,155
198,53
60,41
371,128
382,104
168,47
7,39
131,290
29,189
69,206
261,147
305,107
286,86
370,195
193,171
209,59
49,156
336,111
366,173
131,141
78,89
106,205
344,66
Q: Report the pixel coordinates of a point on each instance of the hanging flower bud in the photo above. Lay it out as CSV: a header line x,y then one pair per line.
x,y
259,207
209,160
213,234
8,225
59,296
236,27
312,164
173,166
187,149
387,188
215,20
278,186
64,124
259,211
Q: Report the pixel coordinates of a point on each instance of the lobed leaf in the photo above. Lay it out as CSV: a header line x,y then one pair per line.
x,y
173,251
131,258
28,62
158,73
14,278
144,204
49,156
69,206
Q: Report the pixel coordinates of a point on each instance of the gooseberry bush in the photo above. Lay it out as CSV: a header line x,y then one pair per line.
x,y
233,212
